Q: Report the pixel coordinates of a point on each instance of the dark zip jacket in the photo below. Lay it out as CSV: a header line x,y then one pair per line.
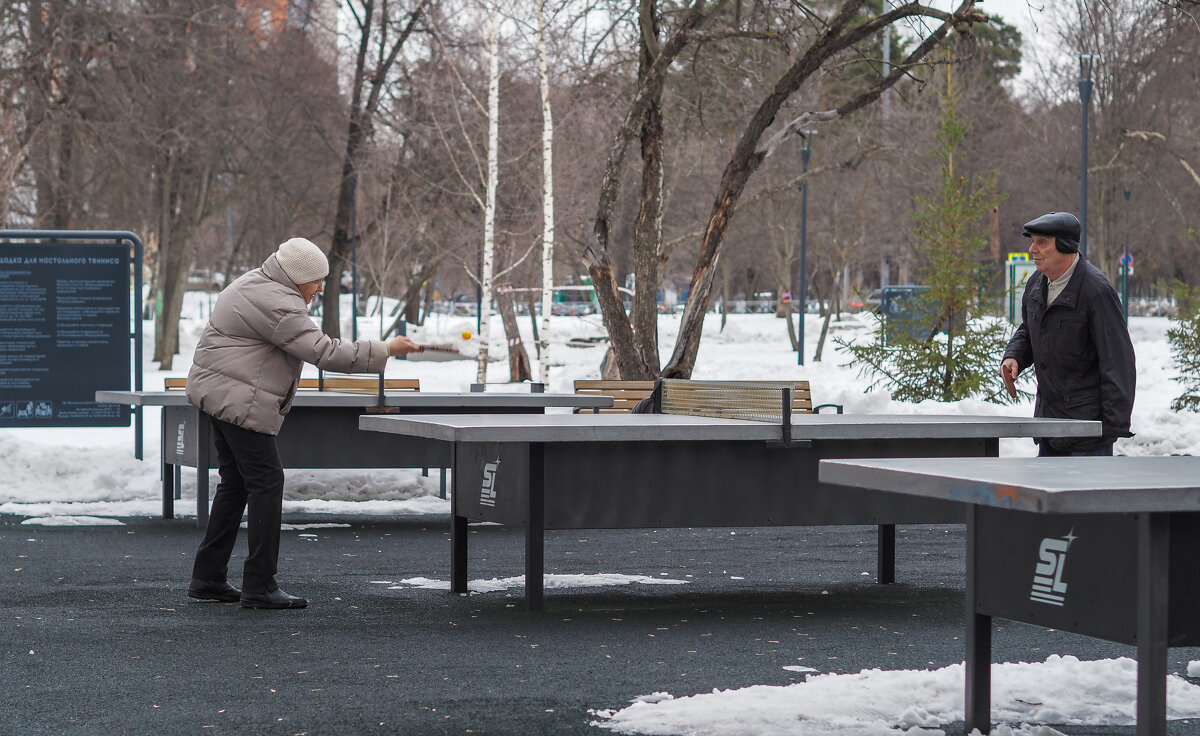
x,y
1081,352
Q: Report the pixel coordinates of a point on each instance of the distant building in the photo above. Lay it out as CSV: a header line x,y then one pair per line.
x,y
316,18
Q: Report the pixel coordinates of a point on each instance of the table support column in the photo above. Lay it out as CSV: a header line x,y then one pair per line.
x,y
978,663
1154,540
535,535
885,554
458,532
168,472
203,462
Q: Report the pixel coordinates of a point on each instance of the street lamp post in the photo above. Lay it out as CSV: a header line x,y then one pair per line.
x,y
479,287
1086,62
1125,261
805,155
353,257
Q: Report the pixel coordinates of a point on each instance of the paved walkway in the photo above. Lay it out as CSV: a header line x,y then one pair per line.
x,y
99,637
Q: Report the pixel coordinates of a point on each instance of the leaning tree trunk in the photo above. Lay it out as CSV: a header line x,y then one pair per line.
x,y
827,308
412,302
411,312
747,157
647,228
342,242
166,344
171,266
624,351
518,358
183,205
785,311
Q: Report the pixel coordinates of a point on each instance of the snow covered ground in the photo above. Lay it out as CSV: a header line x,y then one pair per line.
x,y
90,476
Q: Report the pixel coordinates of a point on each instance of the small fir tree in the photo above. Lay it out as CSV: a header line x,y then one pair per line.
x,y
1184,338
940,345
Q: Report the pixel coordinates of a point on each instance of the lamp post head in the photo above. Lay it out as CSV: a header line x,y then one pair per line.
x,y
1086,62
806,146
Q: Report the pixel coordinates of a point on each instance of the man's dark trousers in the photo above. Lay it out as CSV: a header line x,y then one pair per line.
x,y
251,480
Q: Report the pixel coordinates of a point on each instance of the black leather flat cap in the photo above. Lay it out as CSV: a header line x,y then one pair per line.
x,y
1054,225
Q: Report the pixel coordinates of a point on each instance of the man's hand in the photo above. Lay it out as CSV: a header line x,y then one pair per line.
x,y
1009,370
401,345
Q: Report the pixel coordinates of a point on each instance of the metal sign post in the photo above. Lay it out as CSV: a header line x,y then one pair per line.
x,y
1019,269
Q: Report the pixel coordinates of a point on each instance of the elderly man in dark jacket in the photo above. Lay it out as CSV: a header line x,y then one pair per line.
x,y
1073,332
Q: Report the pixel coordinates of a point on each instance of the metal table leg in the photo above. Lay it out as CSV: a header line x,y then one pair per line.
x,y
535,536
203,460
885,560
168,472
978,664
458,538
1153,607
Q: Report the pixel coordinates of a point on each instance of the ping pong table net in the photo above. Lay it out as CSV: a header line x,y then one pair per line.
x,y
757,401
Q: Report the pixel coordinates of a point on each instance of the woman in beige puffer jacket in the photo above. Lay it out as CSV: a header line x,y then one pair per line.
x,y
244,376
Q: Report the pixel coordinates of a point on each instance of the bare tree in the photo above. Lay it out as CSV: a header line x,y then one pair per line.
x,y
845,27
381,32
18,132
164,106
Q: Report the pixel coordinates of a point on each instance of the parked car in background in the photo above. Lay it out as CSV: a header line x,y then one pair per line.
x,y
874,300
571,300
871,302
574,301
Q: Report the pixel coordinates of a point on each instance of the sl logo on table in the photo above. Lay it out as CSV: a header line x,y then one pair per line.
x,y
1048,586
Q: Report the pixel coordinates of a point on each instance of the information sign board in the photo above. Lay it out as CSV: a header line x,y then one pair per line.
x,y
64,333
1016,276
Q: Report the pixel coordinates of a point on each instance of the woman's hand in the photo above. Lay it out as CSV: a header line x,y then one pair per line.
x,y
401,345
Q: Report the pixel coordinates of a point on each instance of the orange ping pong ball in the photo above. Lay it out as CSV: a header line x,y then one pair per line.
x,y
466,335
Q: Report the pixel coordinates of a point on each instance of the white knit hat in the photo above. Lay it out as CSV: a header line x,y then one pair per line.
x,y
302,261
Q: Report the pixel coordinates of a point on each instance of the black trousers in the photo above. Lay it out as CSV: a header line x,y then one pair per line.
x,y
252,482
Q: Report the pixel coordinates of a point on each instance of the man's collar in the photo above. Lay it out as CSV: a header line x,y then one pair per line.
x,y
1065,275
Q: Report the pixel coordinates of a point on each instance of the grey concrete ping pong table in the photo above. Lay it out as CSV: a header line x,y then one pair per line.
x,y
1101,546
616,471
321,430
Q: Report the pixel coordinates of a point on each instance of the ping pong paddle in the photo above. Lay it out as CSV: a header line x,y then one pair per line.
x,y
1010,382
439,348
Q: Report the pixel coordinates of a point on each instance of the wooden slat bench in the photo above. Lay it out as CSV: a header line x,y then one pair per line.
x,y
340,383
626,394
344,384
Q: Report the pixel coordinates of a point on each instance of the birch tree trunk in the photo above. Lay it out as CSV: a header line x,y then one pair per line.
x,y
489,212
543,339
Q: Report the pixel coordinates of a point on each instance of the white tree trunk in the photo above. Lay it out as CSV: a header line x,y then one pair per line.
x,y
547,201
489,216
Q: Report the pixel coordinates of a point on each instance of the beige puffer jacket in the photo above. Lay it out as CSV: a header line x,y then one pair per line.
x,y
248,361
